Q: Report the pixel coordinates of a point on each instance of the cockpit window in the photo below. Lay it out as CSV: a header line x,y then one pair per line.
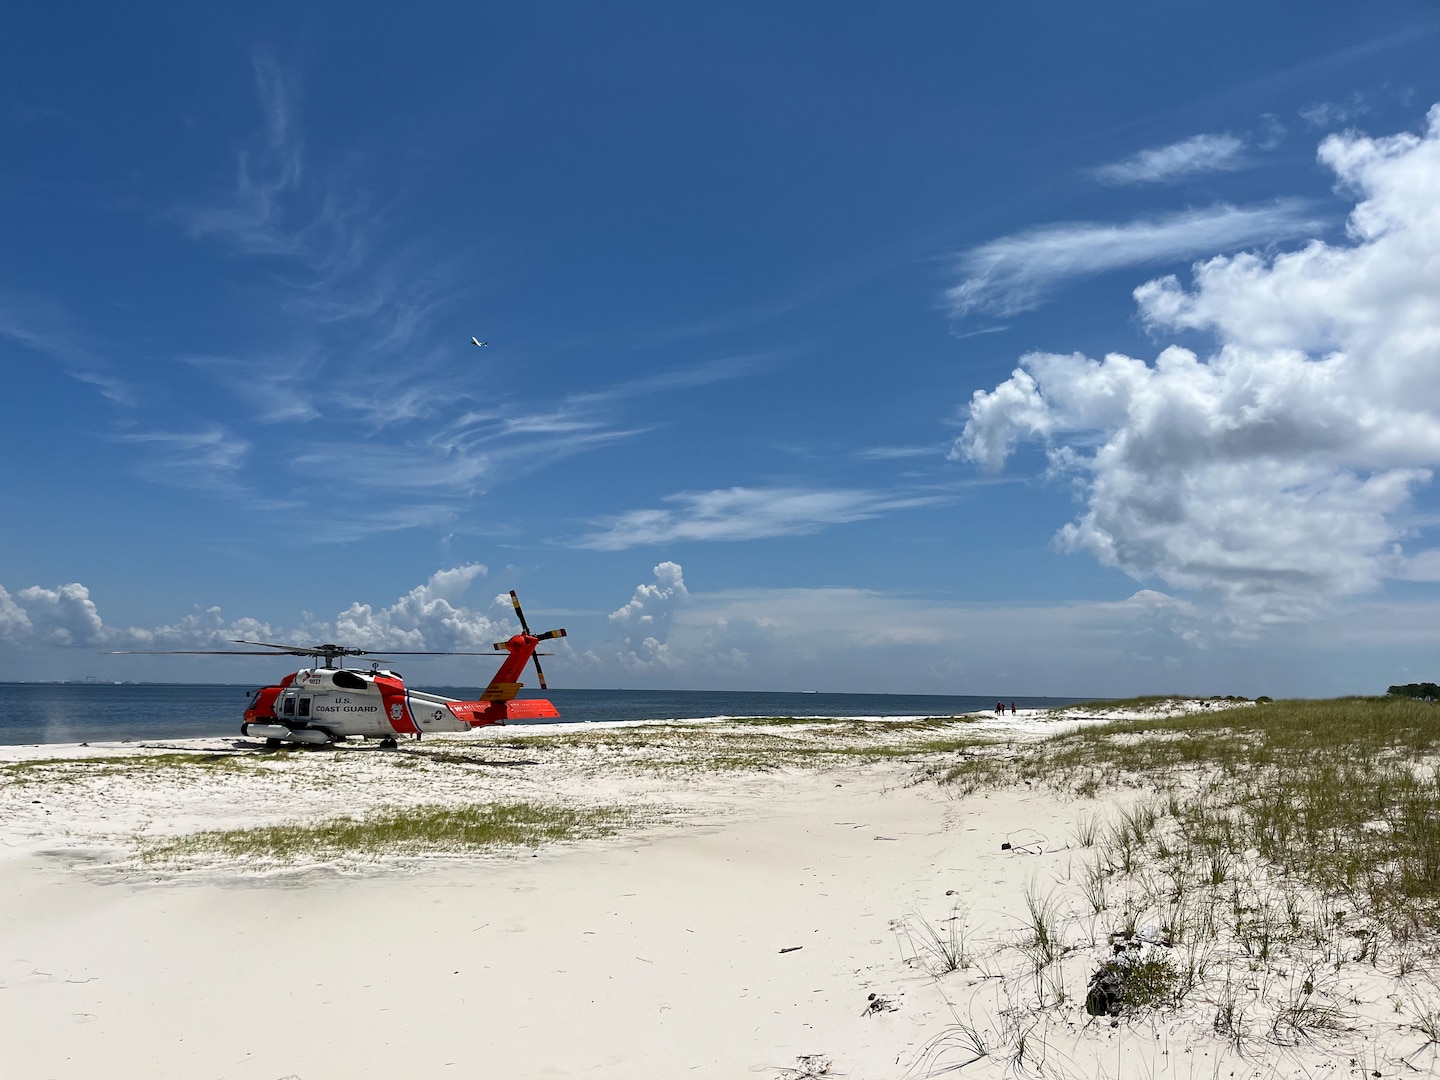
x,y
348,680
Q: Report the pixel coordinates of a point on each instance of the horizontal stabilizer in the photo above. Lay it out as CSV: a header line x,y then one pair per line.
x,y
530,709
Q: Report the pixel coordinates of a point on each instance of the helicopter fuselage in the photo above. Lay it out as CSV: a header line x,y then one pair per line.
x,y
340,701
323,704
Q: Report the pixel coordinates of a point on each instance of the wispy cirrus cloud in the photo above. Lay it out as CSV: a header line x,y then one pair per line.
x,y
1325,114
741,513
275,207
372,519
1015,273
275,386
463,457
41,326
267,170
900,453
688,377
208,459
1160,164
409,411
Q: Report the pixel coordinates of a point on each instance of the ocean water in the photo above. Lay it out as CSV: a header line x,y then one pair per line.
x,y
57,713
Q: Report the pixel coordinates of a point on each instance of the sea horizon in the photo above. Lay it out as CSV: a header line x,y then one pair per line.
x,y
68,712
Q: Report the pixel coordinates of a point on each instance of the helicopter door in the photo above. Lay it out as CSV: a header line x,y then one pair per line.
x,y
304,712
289,706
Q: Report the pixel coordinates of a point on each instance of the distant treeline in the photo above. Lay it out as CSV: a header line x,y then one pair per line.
x,y
1425,691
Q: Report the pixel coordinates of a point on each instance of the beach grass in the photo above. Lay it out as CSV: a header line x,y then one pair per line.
x,y
1269,854
1147,703
400,831
760,743
1344,793
60,770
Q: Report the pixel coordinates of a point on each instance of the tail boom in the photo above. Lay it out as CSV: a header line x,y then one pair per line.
x,y
499,701
481,713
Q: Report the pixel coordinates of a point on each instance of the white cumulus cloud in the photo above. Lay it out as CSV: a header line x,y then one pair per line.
x,y
429,617
1197,154
62,616
1273,471
15,625
639,630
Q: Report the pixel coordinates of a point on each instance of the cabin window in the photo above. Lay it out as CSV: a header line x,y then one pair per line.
x,y
304,706
289,706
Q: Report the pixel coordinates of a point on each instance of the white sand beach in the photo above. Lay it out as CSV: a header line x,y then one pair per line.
x,y
761,922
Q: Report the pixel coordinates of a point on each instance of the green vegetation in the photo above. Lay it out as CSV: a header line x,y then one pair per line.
x,y
50,770
1149,982
1344,793
1424,691
749,743
939,950
760,743
1253,865
403,831
1155,702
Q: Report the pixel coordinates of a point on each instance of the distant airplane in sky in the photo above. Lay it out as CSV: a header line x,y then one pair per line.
x,y
477,341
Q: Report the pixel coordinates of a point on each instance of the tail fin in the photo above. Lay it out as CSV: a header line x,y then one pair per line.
x,y
499,703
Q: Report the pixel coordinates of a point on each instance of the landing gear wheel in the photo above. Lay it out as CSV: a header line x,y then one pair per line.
x,y
388,744
274,744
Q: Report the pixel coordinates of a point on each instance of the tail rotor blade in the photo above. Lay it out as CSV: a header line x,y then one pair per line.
x,y
539,671
550,634
521,614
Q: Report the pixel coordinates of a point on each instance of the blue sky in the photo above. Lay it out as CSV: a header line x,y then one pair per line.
x,y
743,270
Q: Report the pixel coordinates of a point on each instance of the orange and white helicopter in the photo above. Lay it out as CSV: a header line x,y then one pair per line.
x,y
326,704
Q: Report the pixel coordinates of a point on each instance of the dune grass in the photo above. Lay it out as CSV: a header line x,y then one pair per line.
x,y
400,831
61,770
1147,702
760,743
1253,866
1343,793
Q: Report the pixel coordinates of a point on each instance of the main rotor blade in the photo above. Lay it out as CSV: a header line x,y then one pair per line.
x,y
286,649
190,652
406,652
539,670
271,645
523,624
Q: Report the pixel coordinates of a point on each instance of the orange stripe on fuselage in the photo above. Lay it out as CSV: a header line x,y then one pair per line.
x,y
397,714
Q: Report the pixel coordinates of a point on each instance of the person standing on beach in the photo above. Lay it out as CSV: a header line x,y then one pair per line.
x,y
1012,708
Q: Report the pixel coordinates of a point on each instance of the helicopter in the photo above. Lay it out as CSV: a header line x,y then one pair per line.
x,y
324,704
